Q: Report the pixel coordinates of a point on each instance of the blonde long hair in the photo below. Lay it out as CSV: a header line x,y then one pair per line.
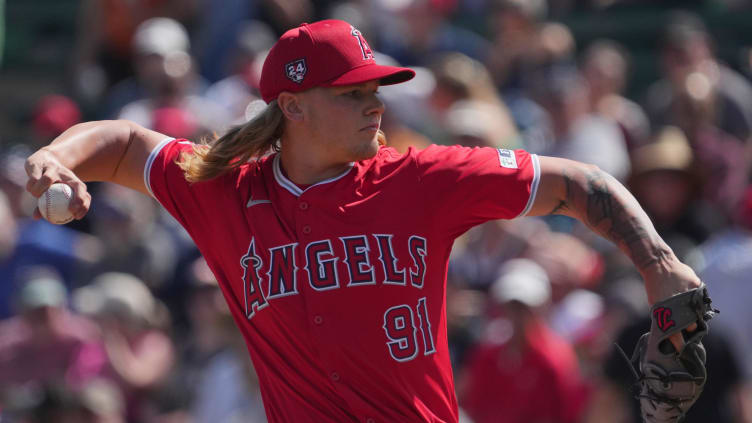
x,y
240,144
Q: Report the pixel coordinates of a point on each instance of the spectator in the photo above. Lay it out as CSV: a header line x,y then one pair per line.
x,y
132,240
165,93
46,343
460,78
663,182
235,92
604,67
476,124
151,43
105,33
133,323
581,267
477,255
523,358
465,320
515,26
579,134
694,78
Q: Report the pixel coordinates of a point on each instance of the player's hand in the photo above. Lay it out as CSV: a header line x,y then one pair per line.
x,y
667,281
44,169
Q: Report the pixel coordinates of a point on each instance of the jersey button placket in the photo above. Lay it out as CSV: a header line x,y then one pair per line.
x,y
334,376
370,420
318,320
303,206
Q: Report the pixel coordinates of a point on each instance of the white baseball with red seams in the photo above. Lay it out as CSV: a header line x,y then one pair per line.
x,y
53,204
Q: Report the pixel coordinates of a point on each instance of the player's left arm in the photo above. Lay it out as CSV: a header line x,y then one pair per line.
x,y
602,203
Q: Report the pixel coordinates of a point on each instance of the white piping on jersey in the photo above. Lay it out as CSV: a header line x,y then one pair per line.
x,y
533,185
294,189
150,162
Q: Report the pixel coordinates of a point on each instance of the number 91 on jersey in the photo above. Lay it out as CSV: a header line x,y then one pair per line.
x,y
401,328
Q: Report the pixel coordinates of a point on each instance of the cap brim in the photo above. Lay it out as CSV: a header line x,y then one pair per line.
x,y
386,75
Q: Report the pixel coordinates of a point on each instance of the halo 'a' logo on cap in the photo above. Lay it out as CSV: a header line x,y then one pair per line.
x,y
364,48
296,70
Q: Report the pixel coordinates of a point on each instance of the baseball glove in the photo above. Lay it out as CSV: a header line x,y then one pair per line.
x,y
670,381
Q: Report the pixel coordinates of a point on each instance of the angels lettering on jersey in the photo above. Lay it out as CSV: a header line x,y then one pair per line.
x,y
276,273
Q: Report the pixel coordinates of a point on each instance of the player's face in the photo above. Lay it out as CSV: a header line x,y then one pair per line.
x,y
346,120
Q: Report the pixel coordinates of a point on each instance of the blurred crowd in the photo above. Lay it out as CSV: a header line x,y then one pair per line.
x,y
116,318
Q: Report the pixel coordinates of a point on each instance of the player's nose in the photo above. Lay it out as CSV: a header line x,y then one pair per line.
x,y
376,106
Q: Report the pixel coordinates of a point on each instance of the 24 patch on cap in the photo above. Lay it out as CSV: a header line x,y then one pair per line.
x,y
296,70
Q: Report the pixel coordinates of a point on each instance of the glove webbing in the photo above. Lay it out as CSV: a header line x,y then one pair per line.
x,y
638,377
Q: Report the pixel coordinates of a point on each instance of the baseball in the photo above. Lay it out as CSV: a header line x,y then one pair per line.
x,y
53,204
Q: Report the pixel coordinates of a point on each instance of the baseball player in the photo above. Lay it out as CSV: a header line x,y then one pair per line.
x,y
332,250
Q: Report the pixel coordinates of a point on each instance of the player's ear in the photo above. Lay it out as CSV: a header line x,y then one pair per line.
x,y
290,105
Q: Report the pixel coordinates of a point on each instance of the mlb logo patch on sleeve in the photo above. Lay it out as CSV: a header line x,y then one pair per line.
x,y
507,158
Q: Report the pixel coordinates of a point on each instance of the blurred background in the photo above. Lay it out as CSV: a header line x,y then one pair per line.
x,y
116,318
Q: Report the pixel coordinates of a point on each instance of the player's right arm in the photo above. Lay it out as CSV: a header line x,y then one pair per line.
x,y
111,151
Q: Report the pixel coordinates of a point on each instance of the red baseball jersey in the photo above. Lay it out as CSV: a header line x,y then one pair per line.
x,y
339,287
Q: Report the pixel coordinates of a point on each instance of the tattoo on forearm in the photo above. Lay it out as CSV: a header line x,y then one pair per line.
x,y
619,221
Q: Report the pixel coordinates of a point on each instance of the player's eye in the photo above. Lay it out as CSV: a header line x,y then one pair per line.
x,y
358,93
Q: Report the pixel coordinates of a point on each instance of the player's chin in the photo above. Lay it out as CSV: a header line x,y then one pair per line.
x,y
367,150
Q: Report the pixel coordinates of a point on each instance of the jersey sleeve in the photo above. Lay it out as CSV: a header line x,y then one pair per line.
x,y
467,186
196,206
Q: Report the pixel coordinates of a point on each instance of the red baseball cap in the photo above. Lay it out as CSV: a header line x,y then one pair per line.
x,y
324,53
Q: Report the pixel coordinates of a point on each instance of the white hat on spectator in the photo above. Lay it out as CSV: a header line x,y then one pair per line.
x,y
522,280
471,118
121,295
160,36
481,120
43,289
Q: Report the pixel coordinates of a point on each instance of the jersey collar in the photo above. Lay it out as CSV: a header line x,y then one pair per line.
x,y
287,184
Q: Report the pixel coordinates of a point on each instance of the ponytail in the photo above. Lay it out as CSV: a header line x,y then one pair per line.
x,y
250,140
